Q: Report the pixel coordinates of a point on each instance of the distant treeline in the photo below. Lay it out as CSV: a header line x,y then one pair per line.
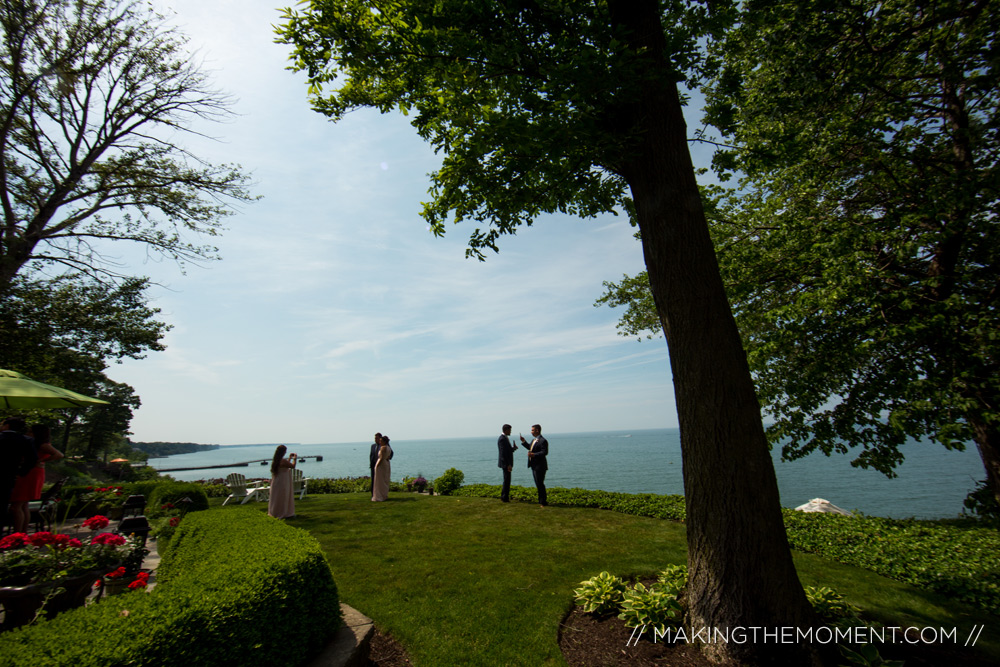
x,y
159,449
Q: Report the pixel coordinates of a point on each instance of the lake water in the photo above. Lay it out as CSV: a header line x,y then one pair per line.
x,y
932,482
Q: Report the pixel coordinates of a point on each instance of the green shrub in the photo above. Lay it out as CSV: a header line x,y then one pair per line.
x,y
602,594
234,588
449,481
215,490
173,494
340,485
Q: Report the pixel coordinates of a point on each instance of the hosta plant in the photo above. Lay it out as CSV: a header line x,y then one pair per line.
x,y
602,594
673,578
655,608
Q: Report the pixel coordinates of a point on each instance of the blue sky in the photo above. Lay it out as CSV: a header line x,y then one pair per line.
x,y
335,313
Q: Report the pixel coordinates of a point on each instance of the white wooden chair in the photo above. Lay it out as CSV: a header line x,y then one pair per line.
x,y
239,488
299,483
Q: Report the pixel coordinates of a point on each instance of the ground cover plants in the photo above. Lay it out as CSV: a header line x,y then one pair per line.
x,y
472,581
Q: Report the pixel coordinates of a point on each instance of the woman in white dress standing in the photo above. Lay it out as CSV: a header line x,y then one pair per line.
x,y
281,504
380,489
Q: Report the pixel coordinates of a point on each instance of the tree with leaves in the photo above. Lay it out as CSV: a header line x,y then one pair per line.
x,y
861,252
546,106
42,321
92,95
64,331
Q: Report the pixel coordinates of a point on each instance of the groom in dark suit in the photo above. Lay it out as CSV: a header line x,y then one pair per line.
x,y
373,459
538,452
506,460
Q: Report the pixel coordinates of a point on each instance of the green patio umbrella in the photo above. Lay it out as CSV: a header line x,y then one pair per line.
x,y
20,393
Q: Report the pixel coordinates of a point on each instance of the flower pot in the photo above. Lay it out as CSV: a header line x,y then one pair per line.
x,y
119,585
22,603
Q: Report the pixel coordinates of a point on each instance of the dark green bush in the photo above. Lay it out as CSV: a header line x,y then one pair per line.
x,y
234,588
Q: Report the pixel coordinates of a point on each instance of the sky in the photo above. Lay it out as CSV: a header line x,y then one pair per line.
x,y
335,313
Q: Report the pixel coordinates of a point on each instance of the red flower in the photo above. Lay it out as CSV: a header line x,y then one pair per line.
x,y
41,539
96,522
61,541
175,521
120,572
14,541
108,538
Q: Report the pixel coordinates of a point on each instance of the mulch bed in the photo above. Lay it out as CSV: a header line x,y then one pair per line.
x,y
590,641
387,652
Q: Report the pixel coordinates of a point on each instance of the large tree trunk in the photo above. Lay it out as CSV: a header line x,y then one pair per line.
x,y
741,573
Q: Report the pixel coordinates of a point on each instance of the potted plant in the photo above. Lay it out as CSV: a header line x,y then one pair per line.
x,y
129,575
104,500
53,571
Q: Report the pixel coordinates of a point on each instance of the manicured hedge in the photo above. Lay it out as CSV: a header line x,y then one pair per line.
x,y
234,588
959,559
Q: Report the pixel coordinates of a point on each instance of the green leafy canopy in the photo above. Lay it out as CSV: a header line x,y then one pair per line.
x,y
527,102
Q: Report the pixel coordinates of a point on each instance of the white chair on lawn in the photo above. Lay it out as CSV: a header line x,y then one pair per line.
x,y
238,488
299,483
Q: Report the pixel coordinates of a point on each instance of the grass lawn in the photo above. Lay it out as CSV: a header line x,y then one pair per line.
x,y
473,581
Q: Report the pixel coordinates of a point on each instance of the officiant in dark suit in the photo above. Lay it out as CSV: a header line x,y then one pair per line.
x,y
506,460
538,452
